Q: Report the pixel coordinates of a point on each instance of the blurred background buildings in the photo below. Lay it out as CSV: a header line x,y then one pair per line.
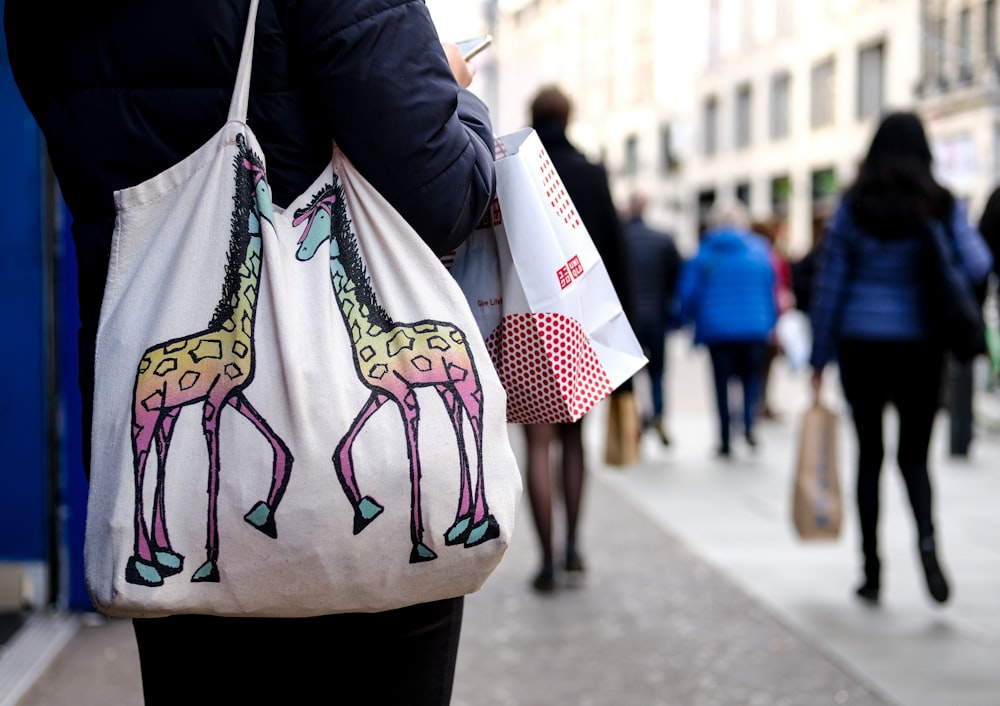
x,y
771,101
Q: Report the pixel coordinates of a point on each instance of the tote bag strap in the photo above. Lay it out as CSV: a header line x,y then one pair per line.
x,y
241,94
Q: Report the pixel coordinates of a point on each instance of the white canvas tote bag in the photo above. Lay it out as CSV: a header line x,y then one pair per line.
x,y
295,412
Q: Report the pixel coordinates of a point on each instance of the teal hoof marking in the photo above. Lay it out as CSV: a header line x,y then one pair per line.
x,y
262,518
458,531
483,532
421,552
142,573
206,573
168,563
366,511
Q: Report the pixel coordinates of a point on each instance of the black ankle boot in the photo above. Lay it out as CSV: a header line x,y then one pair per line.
x,y
869,590
937,585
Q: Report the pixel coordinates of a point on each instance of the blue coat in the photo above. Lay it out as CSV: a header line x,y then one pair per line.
x,y
867,288
728,288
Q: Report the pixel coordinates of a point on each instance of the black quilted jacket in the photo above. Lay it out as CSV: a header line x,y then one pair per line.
x,y
123,89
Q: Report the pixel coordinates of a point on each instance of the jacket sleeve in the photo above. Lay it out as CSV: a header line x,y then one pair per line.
x,y
972,247
382,80
829,289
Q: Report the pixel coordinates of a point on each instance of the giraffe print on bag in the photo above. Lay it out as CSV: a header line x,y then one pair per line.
x,y
393,360
212,367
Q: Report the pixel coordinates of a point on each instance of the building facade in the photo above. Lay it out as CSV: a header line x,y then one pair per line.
x,y
769,101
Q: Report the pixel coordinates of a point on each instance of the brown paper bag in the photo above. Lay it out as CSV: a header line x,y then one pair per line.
x,y
817,506
624,430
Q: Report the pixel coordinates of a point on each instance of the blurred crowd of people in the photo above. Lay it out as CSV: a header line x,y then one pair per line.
x,y
869,305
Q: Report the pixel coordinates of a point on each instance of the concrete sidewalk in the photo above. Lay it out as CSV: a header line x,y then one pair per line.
x,y
697,591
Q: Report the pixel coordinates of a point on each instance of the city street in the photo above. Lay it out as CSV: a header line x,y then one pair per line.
x,y
697,591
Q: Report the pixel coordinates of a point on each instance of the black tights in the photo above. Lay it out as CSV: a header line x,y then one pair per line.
x,y
907,375
541,485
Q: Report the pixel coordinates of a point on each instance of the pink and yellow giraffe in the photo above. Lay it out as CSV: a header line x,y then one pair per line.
x,y
212,367
393,360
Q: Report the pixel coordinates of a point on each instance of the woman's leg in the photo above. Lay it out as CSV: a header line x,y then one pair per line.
x,y
540,484
722,371
751,372
866,392
917,405
573,475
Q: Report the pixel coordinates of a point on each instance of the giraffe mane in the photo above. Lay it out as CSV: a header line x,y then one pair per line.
x,y
350,258
244,200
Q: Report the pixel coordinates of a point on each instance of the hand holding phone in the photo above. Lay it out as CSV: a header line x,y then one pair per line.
x,y
471,47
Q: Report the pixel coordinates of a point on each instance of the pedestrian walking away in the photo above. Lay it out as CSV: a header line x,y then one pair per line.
x,y
656,264
586,183
727,292
871,313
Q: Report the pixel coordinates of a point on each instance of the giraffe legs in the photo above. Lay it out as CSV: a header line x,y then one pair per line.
x,y
365,508
473,524
261,515
410,410
152,559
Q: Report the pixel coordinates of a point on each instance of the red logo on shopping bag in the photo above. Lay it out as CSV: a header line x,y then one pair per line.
x,y
569,272
492,217
558,198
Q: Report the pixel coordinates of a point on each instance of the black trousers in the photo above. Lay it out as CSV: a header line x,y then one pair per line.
x,y
907,375
399,657
744,361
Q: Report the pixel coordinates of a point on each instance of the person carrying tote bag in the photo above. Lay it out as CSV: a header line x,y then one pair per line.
x,y
872,313
123,92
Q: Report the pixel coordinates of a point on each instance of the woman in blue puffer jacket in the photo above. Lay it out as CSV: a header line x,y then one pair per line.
x,y
870,311
728,291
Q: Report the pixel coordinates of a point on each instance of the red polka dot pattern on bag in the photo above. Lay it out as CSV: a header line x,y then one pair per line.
x,y
548,368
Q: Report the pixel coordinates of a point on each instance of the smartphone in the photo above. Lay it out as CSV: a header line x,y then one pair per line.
x,y
471,47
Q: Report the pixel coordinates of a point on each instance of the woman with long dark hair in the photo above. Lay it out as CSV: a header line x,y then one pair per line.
x,y
871,312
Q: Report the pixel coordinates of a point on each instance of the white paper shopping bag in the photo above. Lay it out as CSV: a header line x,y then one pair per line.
x,y
561,342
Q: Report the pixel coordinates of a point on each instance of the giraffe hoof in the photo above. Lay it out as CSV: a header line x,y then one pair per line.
x,y
142,573
262,517
168,562
206,573
483,532
421,552
459,531
365,511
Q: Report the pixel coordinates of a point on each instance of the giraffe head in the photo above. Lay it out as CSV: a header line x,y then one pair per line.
x,y
318,217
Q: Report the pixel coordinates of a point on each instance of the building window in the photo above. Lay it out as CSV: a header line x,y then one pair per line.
x,y
710,126
706,197
743,193
744,110
871,92
631,155
965,45
821,105
781,194
668,158
780,108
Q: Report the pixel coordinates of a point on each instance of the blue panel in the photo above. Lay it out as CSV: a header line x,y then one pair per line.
x,y
23,484
71,447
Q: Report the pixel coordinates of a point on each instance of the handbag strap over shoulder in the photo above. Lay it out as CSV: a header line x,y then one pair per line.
x,y
241,93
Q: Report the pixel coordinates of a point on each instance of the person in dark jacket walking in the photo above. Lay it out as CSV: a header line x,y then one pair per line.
x,y
727,291
122,91
870,311
656,264
587,186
